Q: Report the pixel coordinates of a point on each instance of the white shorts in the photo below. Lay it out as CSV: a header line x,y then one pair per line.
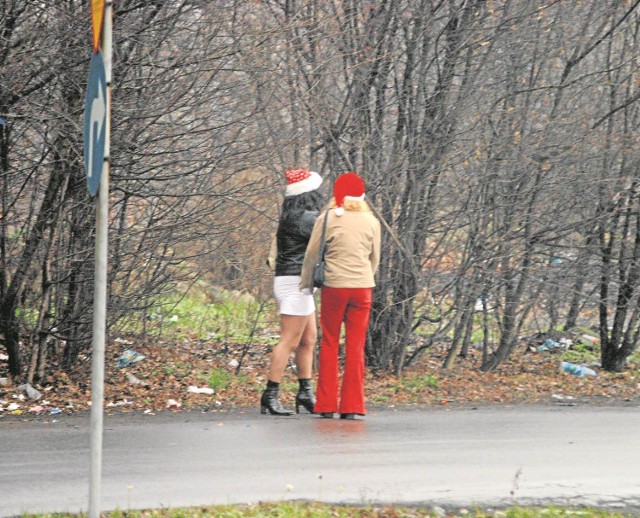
x,y
290,299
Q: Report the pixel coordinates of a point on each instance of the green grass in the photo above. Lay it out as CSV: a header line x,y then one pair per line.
x,y
207,315
287,385
179,370
553,512
318,510
417,383
580,353
219,379
634,360
585,352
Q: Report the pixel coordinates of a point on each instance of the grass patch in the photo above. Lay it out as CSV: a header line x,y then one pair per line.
x,y
418,383
218,379
581,353
634,360
215,315
318,510
287,385
552,512
179,370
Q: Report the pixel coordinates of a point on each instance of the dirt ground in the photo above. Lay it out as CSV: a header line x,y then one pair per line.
x,y
176,375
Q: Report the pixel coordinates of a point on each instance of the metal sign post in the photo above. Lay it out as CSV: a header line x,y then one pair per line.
x,y
98,138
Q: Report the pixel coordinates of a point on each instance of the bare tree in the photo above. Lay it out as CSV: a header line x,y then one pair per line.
x,y
496,138
177,153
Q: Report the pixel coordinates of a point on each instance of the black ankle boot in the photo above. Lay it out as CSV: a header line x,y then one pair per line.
x,y
269,400
305,396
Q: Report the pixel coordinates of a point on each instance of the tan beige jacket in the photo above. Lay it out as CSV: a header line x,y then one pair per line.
x,y
353,249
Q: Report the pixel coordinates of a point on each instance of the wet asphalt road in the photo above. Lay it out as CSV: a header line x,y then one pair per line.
x,y
489,456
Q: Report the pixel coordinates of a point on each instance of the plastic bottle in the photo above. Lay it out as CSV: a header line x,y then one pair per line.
x,y
549,345
590,340
577,370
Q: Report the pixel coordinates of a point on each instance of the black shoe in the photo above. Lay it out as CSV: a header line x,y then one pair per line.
x,y
351,417
326,415
269,402
302,400
305,397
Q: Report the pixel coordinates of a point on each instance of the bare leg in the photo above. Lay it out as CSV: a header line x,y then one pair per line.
x,y
304,353
292,328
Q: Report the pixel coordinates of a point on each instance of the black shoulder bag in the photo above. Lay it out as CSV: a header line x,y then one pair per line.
x,y
318,268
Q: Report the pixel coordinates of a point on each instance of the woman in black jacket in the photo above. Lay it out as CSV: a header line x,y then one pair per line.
x,y
298,331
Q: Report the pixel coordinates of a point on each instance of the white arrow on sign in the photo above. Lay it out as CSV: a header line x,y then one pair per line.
x,y
98,110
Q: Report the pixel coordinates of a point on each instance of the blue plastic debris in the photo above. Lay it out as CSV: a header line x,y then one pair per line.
x,y
2,121
548,345
577,370
130,357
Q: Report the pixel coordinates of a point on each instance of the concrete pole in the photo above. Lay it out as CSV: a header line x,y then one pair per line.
x,y
100,288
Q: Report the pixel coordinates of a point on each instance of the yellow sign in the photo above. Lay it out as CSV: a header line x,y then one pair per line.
x,y
97,17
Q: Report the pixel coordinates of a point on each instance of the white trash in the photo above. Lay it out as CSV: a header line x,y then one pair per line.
x,y
133,380
199,390
30,391
172,403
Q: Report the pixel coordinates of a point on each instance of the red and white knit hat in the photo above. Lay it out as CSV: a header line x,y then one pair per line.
x,y
300,181
348,186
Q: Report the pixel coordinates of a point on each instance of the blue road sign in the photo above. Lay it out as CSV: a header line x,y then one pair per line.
x,y
2,121
95,122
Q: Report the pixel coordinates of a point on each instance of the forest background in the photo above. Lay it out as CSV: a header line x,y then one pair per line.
x,y
498,140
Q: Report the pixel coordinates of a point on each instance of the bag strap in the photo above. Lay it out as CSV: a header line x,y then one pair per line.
x,y
323,243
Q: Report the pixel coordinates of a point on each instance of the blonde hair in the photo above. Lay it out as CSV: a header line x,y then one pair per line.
x,y
352,205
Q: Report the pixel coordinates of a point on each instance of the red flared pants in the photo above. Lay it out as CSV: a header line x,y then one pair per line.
x,y
353,307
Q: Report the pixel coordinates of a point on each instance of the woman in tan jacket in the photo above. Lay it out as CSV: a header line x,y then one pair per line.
x,y
351,260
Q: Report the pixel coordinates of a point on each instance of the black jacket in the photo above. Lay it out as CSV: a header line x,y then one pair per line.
x,y
293,235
